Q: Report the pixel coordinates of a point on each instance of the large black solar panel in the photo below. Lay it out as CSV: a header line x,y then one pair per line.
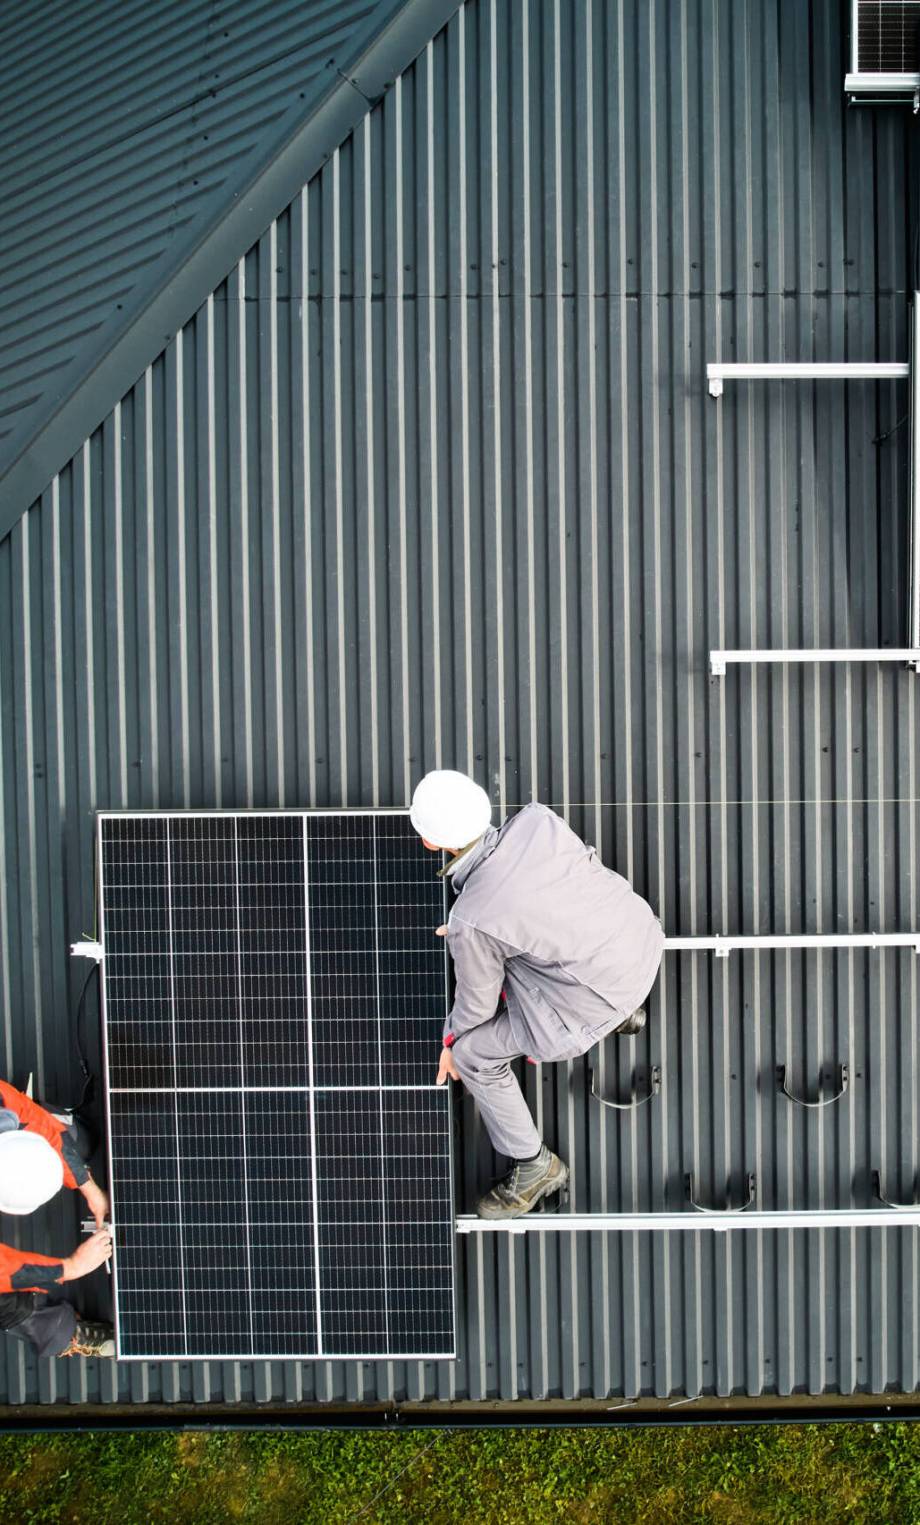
x,y
273,996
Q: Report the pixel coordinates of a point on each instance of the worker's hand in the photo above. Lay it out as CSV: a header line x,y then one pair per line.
x,y
441,931
96,1200
87,1256
447,1067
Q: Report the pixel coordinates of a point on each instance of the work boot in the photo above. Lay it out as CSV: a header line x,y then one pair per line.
x,y
91,1340
632,1025
524,1186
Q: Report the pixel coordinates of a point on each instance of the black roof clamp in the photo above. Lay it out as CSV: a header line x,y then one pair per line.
x,y
843,1086
751,1187
881,1194
635,1100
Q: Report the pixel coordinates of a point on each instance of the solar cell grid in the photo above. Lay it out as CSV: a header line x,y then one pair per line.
x,y
150,1270
343,950
273,950
138,968
273,996
417,1209
204,910
350,1157
410,960
279,1168
215,1240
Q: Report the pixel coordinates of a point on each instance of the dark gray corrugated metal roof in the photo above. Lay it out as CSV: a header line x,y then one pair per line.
x,y
147,109
433,477
154,131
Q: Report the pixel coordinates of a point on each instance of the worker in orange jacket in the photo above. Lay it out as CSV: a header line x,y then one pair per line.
x,y
39,1155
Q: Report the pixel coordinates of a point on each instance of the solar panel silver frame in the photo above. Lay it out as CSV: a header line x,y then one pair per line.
x,y
859,82
305,814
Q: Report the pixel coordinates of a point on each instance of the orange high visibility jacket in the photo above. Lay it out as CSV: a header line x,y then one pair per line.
x,y
26,1270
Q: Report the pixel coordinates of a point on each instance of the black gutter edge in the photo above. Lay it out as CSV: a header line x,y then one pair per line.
x,y
343,93
642,1414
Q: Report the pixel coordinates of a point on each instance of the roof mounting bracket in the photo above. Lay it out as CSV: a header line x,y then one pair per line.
x,y
879,1191
635,1100
822,1101
751,1188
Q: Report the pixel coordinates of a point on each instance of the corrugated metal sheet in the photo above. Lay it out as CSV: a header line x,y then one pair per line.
x,y
147,112
433,478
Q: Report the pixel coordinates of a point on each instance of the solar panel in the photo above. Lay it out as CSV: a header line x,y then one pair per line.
x,y
280,1162
887,34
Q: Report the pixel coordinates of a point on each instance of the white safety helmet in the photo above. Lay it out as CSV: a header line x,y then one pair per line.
x,y
449,809
31,1172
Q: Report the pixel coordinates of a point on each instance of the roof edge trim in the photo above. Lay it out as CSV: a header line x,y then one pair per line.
x,y
394,35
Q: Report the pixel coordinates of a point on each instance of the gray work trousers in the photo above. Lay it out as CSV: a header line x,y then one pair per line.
x,y
483,1057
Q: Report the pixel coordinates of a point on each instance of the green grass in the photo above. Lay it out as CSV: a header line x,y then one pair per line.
x,y
479,1477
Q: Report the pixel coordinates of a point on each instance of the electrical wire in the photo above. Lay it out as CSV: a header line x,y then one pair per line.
x,y
89,1079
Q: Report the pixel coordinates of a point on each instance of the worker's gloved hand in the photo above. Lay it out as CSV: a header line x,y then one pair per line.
x,y
447,1067
87,1256
97,1201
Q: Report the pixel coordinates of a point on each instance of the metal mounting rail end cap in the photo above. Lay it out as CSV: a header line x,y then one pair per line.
x,y
715,386
467,1223
717,664
93,950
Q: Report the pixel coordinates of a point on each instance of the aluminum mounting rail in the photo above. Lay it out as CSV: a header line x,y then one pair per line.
x,y
723,946
910,655
882,87
804,370
691,1222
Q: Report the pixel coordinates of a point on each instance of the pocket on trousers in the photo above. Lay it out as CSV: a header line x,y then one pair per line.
x,y
603,1029
549,1035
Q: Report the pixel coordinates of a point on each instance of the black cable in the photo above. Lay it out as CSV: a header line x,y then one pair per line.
x,y
879,439
89,1080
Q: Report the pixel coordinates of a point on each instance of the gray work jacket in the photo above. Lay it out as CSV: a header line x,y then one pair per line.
x,y
574,948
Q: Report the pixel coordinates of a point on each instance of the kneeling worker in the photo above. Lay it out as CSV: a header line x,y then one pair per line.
x,y
39,1155
552,952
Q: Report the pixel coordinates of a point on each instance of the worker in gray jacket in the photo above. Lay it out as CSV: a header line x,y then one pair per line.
x,y
552,951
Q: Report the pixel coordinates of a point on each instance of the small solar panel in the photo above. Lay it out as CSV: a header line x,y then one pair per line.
x,y
888,32
273,996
